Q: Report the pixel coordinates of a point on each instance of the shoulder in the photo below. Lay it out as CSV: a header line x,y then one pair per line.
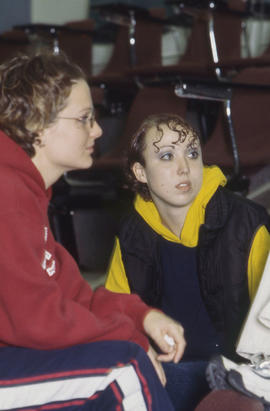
x,y
233,202
132,222
246,205
135,231
10,185
16,193
240,215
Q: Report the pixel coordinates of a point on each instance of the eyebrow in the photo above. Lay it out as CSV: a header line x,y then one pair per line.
x,y
167,146
87,110
192,145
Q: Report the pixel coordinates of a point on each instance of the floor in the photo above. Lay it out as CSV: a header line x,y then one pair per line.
x,y
94,279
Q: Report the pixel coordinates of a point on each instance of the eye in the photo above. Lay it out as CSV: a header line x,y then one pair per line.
x,y
193,154
84,120
166,156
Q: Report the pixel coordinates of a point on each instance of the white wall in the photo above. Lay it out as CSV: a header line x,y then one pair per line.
x,y
258,34
58,11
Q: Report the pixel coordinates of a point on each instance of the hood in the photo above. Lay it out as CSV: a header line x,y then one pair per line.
x,y
13,157
212,179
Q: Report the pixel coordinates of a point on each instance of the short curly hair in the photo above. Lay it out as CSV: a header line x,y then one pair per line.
x,y
34,88
137,145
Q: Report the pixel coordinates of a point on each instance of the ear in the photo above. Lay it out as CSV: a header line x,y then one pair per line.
x,y
139,172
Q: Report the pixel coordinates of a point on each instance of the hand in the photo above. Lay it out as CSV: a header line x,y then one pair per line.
x,y
157,365
156,325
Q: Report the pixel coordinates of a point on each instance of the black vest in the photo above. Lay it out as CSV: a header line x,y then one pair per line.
x,y
225,240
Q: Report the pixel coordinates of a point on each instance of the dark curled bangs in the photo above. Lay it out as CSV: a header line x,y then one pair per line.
x,y
137,145
179,126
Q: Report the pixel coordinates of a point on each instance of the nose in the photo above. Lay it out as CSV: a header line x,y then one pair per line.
x,y
95,131
183,166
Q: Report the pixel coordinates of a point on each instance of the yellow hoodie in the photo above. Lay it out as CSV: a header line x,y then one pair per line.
x,y
212,179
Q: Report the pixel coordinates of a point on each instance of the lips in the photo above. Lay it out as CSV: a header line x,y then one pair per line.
x,y
184,186
90,148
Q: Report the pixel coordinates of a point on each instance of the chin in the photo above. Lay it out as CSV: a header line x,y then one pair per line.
x,y
86,164
82,166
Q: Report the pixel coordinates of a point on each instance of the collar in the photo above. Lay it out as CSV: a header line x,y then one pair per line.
x,y
212,179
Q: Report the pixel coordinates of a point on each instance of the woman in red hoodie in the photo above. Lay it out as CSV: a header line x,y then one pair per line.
x,y
62,345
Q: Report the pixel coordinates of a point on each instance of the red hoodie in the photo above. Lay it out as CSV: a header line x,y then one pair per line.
x,y
44,301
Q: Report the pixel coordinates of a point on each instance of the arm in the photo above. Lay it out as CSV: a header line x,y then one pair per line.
x,y
257,259
156,324
45,311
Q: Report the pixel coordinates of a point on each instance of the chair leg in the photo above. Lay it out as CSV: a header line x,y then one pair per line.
x,y
237,182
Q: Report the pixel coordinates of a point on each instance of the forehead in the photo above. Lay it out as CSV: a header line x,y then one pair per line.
x,y
162,135
80,96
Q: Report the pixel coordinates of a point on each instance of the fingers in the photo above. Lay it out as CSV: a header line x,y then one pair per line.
x,y
167,334
175,354
172,343
180,348
157,365
166,357
160,372
179,344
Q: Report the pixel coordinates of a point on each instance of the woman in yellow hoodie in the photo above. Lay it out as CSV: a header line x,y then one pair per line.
x,y
190,247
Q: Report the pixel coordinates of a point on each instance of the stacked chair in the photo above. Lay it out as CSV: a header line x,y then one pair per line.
x,y
159,86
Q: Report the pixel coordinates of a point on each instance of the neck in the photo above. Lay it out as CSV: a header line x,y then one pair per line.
x,y
173,218
49,175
